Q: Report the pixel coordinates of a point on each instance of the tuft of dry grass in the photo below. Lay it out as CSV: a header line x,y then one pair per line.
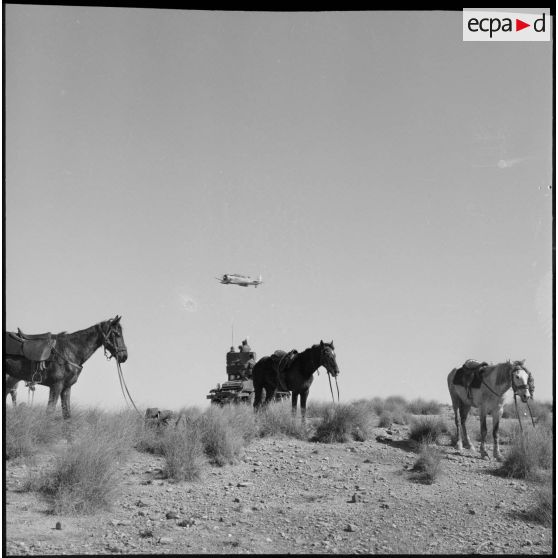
x,y
343,423
277,420
84,477
423,407
543,510
530,453
221,432
427,467
152,440
427,430
391,410
183,451
389,418
542,411
28,429
222,442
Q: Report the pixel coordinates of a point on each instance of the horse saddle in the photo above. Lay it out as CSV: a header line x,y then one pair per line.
x,y
281,361
470,374
33,347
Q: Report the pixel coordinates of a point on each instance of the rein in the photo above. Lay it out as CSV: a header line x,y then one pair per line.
x,y
124,388
331,389
329,378
517,412
514,400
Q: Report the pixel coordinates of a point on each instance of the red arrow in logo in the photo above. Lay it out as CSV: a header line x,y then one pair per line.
x,y
519,25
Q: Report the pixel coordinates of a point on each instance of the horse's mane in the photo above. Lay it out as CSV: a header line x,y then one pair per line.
x,y
503,374
309,350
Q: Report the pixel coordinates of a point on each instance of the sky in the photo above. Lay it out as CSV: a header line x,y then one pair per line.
x,y
391,183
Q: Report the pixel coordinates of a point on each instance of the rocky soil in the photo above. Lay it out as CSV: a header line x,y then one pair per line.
x,y
290,496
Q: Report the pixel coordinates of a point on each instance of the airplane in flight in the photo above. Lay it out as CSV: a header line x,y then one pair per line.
x,y
240,280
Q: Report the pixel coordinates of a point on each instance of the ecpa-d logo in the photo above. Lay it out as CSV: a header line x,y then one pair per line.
x,y
505,26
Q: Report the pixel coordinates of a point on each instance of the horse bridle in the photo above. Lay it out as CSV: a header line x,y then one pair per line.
x,y
112,346
528,386
515,387
324,357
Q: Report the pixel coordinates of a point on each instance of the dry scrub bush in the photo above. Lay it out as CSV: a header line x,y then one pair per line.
x,y
241,418
221,432
422,407
541,411
391,410
427,430
125,428
183,451
276,419
367,406
428,464
84,477
343,423
222,442
152,440
28,429
529,454
394,402
543,510
389,418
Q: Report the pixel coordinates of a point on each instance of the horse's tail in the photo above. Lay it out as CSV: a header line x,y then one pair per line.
x,y
451,375
258,379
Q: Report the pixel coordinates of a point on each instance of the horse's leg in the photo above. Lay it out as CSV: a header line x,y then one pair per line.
x,y
294,398
484,431
303,398
53,396
65,400
458,441
496,416
13,393
257,397
464,412
269,393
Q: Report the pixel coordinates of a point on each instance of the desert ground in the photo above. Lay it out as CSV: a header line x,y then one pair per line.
x,y
291,496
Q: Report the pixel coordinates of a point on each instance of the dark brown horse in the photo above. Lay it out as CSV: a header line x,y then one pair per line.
x,y
296,376
66,358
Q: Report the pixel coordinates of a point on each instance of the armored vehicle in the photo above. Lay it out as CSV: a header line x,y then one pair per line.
x,y
239,387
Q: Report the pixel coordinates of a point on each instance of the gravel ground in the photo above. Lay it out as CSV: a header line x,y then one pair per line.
x,y
290,496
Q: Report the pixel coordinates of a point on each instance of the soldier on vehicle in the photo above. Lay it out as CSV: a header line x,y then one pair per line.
x,y
244,348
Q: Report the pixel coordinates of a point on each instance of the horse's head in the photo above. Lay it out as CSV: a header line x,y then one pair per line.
x,y
327,358
113,339
522,381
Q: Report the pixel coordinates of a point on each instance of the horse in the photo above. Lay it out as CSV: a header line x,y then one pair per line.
x,y
10,387
66,356
295,376
488,396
